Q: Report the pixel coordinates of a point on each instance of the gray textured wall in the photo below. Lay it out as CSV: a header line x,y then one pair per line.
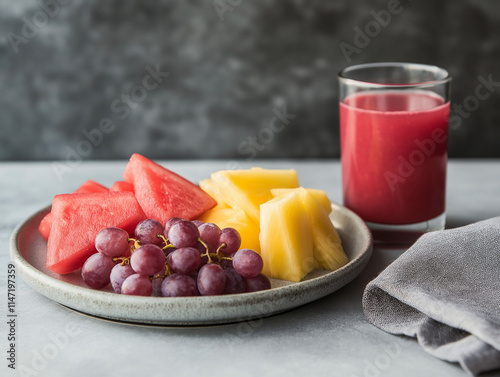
x,y
74,65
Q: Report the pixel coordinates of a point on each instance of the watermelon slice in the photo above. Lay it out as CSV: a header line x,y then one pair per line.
x,y
122,186
164,194
90,186
45,226
77,218
86,187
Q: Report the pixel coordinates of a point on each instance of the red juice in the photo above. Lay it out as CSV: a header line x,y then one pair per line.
x,y
394,154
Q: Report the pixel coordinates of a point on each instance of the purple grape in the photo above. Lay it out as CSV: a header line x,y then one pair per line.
x,y
258,283
183,234
200,247
112,242
210,233
168,253
156,285
169,224
211,280
146,231
227,263
118,274
137,285
148,260
177,285
162,271
158,280
234,282
231,238
184,260
247,263
96,270
204,260
127,253
194,275
198,223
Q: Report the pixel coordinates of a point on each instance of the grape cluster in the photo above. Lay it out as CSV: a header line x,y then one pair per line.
x,y
182,258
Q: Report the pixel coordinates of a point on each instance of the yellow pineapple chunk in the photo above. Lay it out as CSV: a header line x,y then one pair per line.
x,y
328,251
288,225
320,195
237,219
210,188
248,189
285,238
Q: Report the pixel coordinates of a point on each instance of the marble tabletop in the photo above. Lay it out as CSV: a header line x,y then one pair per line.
x,y
329,337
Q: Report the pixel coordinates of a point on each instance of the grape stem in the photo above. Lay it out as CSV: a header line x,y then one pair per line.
x,y
122,260
168,270
220,247
213,255
136,244
167,245
206,248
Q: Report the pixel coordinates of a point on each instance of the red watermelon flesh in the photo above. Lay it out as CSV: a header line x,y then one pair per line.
x,y
122,186
45,225
164,194
77,218
87,187
90,186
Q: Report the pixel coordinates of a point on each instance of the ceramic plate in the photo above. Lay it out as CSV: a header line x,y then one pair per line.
x,y
28,252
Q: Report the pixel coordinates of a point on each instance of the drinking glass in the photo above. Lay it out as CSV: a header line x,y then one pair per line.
x,y
394,136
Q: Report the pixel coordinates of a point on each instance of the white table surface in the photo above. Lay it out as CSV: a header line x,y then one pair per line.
x,y
329,337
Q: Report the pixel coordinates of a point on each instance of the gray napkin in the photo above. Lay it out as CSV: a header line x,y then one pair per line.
x,y
445,291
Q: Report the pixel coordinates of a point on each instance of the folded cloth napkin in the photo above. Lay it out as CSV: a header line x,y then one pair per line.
x,y
445,291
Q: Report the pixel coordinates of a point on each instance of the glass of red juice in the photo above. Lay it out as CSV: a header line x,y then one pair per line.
x,y
394,132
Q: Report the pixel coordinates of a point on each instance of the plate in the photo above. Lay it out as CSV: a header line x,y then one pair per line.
x,y
28,252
